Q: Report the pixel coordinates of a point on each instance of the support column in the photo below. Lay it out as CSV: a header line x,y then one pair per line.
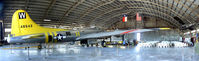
x,y
123,40
190,34
139,24
196,36
110,39
191,39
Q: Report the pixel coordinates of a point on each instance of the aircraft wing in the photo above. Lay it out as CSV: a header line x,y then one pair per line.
x,y
117,32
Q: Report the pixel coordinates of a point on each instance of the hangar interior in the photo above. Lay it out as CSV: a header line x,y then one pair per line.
x,y
91,18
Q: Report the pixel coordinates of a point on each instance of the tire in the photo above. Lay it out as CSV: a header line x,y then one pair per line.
x,y
39,47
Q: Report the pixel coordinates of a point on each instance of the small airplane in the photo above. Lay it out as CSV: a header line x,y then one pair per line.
x,y
25,30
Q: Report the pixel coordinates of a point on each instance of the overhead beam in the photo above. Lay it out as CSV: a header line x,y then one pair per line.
x,y
162,7
165,8
141,12
192,10
48,9
191,3
95,7
26,4
104,14
146,8
181,16
71,8
184,4
109,24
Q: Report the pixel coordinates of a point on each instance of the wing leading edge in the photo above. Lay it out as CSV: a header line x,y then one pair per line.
x,y
117,32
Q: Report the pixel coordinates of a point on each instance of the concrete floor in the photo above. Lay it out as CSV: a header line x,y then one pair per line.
x,y
77,53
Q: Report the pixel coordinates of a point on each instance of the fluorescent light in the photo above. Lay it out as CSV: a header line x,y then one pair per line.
x,y
7,29
47,20
92,26
193,31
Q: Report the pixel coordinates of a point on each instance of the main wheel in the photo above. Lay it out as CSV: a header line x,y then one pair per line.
x,y
39,47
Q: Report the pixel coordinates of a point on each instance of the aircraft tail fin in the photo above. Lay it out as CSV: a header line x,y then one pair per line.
x,y
22,24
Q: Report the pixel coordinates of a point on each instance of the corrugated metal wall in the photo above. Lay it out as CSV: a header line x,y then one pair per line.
x,y
170,35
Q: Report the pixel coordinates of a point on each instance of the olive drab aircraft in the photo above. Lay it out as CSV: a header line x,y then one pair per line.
x,y
25,30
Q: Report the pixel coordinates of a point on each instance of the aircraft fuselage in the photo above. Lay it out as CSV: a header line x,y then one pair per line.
x,y
61,36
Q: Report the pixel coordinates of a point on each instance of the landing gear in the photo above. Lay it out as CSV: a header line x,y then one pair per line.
x,y
72,43
39,46
28,58
45,47
84,43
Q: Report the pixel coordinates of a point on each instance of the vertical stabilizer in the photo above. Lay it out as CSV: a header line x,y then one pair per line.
x,y
22,24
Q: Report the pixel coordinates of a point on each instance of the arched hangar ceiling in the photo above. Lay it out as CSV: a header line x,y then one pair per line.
x,y
103,13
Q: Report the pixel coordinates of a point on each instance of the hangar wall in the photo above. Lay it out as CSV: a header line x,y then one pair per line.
x,y
169,35
148,22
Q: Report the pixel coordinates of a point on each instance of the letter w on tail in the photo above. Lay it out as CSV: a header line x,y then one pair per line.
x,y
22,15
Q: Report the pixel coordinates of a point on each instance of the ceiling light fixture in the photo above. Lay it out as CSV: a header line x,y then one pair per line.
x,y
47,20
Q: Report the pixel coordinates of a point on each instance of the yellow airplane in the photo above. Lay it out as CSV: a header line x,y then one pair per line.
x,y
25,30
